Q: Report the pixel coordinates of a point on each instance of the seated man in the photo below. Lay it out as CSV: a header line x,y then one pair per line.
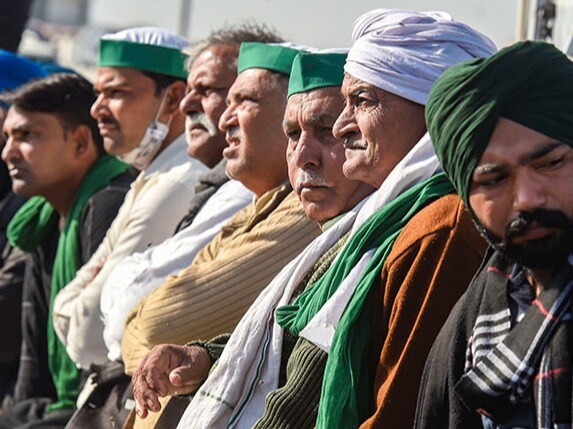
x,y
140,82
503,130
212,72
363,325
210,296
15,70
314,159
55,154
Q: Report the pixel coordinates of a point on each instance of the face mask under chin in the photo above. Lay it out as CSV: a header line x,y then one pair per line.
x,y
141,156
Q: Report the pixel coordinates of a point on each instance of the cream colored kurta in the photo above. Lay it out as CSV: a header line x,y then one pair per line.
x,y
154,205
211,296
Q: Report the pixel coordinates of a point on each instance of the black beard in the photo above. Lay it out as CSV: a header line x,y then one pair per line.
x,y
542,253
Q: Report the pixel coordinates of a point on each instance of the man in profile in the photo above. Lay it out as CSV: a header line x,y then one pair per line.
x,y
56,158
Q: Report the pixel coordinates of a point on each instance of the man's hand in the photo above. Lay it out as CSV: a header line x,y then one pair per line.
x,y
168,370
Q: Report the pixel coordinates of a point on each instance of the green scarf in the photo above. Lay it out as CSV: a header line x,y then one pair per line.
x,y
346,397
27,230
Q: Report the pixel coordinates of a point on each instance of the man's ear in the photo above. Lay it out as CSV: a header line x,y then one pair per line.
x,y
82,140
175,93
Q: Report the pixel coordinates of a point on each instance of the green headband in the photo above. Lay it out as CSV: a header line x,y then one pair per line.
x,y
312,71
530,83
153,58
253,55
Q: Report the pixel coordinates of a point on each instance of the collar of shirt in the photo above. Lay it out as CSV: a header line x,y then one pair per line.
x,y
172,156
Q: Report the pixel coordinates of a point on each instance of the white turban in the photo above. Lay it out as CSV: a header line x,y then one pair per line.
x,y
404,52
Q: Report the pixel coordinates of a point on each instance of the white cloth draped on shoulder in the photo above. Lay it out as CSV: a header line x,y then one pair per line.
x,y
234,393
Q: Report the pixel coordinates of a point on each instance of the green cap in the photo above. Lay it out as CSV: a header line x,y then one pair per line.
x,y
274,57
153,58
312,71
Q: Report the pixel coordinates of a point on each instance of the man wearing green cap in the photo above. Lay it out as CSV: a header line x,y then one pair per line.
x,y
55,156
503,130
210,296
140,82
315,161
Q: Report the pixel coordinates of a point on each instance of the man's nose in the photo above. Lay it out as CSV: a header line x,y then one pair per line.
x,y
190,103
529,193
98,107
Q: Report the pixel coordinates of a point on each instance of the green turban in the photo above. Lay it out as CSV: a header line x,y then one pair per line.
x,y
270,56
530,83
318,70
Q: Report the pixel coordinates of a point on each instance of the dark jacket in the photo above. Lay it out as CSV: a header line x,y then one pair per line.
x,y
34,379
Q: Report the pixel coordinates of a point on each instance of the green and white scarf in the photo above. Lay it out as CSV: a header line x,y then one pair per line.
x,y
346,398
233,396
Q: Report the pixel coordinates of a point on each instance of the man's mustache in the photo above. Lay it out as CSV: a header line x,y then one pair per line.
x,y
200,118
543,217
308,178
109,120
235,133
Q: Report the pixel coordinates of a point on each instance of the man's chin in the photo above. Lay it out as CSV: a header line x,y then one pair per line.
x,y
538,254
114,147
23,189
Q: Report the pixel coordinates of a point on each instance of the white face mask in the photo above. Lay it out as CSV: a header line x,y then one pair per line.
x,y
142,155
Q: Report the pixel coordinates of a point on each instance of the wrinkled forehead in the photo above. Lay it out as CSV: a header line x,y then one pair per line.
x,y
351,84
318,106
255,82
216,63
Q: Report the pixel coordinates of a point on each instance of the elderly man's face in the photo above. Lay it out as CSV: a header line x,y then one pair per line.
x,y
252,122
378,129
522,196
315,157
211,75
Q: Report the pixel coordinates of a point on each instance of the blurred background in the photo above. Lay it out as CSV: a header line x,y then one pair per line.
x,y
67,31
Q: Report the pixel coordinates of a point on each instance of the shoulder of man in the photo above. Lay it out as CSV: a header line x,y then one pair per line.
x,y
438,404
445,216
100,211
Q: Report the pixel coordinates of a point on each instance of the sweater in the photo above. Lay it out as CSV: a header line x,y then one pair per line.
x,y
428,269
295,403
420,281
211,295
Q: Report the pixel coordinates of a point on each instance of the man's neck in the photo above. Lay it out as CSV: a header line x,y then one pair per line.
x,y
63,197
62,202
168,140
539,278
260,188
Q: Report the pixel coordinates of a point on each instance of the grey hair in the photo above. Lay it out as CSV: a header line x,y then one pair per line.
x,y
234,35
